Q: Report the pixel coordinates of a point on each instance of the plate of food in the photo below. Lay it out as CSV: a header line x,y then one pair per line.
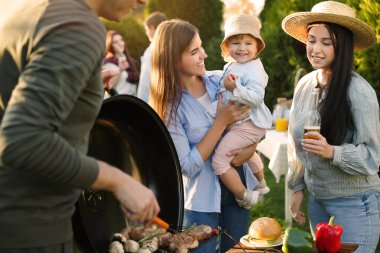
x,y
263,233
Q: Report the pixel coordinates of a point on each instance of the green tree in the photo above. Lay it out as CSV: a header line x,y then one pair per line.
x,y
367,62
205,15
282,55
214,60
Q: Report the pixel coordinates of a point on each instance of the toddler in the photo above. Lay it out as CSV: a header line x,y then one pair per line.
x,y
244,81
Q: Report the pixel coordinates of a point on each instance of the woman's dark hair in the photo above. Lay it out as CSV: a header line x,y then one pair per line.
x,y
336,116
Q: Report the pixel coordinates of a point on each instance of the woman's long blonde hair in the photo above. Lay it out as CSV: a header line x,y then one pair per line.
x,y
172,38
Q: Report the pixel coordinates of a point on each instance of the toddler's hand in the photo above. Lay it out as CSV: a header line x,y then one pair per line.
x,y
229,82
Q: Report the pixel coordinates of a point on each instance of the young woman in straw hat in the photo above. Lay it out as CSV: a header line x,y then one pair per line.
x,y
344,157
180,89
244,80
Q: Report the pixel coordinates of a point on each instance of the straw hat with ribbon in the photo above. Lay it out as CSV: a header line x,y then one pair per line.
x,y
332,12
242,24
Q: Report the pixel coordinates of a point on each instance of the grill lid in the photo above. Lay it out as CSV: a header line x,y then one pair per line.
x,y
129,135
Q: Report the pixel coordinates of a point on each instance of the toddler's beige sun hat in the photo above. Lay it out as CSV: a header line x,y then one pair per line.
x,y
242,24
296,24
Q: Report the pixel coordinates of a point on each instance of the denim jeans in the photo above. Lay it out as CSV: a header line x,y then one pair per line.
x,y
359,215
234,219
200,218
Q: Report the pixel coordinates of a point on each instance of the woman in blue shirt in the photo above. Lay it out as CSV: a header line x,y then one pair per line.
x,y
181,90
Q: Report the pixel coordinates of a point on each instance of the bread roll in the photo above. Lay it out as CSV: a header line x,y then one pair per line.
x,y
265,228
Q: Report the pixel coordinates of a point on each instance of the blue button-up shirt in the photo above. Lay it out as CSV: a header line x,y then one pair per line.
x,y
187,128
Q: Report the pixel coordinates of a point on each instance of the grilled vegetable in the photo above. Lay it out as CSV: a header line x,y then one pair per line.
x,y
131,246
116,247
297,241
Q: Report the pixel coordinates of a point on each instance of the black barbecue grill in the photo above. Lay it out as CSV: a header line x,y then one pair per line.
x,y
130,135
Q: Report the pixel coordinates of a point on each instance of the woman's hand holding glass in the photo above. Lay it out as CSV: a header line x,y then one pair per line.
x,y
123,63
315,143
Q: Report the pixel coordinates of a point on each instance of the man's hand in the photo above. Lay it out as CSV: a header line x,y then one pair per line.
x,y
136,200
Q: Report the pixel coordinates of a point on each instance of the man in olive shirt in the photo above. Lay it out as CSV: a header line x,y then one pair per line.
x,y
51,53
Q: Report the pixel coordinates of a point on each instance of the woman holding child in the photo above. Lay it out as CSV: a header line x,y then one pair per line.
x,y
181,89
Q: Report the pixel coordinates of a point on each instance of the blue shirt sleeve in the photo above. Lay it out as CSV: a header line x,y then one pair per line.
x,y
189,156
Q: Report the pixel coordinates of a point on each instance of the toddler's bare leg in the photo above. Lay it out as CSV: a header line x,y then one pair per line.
x,y
232,181
259,175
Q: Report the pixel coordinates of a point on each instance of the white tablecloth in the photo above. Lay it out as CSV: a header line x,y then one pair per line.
x,y
275,148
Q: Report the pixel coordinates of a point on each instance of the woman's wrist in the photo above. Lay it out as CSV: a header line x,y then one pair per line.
x,y
218,124
331,152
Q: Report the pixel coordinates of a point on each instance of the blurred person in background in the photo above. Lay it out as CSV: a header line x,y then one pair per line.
x,y
50,94
151,23
118,58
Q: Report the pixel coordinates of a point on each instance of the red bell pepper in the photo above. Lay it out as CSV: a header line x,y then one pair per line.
x,y
328,236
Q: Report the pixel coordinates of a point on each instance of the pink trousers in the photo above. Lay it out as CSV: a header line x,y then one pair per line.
x,y
238,136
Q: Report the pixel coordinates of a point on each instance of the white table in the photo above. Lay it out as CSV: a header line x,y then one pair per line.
x,y
275,148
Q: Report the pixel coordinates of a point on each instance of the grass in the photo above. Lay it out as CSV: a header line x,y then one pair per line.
x,y
273,204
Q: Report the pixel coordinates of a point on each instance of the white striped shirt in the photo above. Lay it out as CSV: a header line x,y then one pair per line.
x,y
355,164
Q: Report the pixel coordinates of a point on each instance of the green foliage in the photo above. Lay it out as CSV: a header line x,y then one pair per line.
x,y
205,15
283,55
214,60
279,57
367,62
133,33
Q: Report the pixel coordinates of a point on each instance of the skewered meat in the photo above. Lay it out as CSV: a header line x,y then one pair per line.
x,y
150,238
151,244
181,241
164,240
139,232
125,232
202,232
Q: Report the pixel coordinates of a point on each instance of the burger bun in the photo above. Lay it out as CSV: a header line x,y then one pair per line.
x,y
265,228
